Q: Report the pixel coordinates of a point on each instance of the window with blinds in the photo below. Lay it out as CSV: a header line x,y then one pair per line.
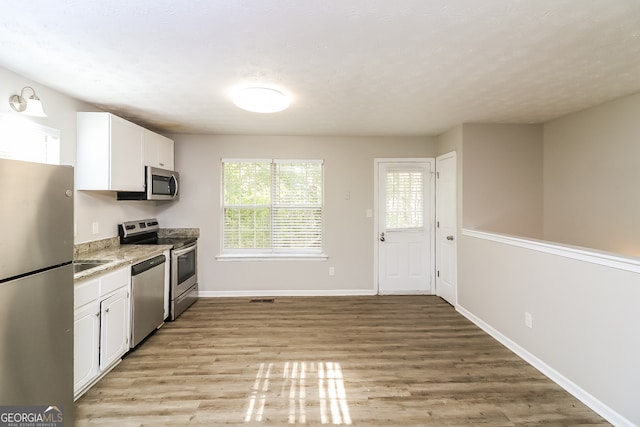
x,y
272,206
404,199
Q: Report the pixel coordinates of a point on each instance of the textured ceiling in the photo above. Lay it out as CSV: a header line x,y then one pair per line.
x,y
351,67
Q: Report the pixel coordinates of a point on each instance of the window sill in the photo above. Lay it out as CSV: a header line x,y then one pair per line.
x,y
272,257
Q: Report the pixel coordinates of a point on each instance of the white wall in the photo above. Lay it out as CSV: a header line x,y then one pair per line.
x,y
90,207
349,234
592,176
60,110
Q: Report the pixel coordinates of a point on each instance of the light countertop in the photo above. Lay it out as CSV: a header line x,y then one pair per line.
x,y
118,256
122,255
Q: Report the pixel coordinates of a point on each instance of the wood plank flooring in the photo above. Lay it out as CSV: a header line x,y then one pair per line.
x,y
365,361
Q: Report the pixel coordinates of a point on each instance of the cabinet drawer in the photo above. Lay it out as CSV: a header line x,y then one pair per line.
x,y
115,280
85,292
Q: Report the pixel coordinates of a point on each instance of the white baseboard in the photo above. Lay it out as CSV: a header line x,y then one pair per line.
x,y
579,393
409,292
287,293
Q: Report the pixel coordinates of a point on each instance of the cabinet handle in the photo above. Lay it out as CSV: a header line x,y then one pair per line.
x,y
98,314
106,310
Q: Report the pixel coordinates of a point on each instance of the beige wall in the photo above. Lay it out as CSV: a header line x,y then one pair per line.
x,y
502,172
450,141
587,166
592,178
349,234
585,316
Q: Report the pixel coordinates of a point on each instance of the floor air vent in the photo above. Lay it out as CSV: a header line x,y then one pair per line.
x,y
263,300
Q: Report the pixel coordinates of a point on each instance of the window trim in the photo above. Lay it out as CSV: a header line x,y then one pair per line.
x,y
272,257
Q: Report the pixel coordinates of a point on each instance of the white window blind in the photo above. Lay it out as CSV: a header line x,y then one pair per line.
x,y
405,199
272,206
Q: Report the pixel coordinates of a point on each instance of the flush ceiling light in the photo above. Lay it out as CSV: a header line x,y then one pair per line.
x,y
261,100
31,106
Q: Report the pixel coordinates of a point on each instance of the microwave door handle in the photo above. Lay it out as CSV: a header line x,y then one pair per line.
x,y
173,177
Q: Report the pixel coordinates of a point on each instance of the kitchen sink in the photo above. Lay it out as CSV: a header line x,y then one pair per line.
x,y
86,264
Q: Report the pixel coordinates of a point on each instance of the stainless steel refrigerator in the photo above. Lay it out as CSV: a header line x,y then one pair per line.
x,y
36,286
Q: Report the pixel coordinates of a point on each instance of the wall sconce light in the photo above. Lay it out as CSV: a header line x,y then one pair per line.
x,y
31,106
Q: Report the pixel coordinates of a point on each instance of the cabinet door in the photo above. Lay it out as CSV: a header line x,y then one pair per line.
x,y
127,166
165,154
86,335
158,151
114,328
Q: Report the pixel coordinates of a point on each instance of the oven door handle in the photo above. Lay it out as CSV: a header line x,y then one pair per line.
x,y
187,249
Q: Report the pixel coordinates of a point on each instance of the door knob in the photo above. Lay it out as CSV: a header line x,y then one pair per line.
x,y
382,237
449,237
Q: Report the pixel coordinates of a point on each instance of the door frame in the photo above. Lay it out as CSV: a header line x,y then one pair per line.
x,y
431,216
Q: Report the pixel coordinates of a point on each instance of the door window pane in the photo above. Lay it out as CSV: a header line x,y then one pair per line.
x,y
404,199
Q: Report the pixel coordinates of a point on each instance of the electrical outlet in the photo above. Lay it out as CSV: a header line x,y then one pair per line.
x,y
96,227
369,213
332,271
528,319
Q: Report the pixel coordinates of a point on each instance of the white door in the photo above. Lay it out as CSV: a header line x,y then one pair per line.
x,y
114,327
86,342
446,227
405,214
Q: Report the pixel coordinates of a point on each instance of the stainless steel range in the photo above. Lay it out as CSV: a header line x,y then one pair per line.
x,y
184,260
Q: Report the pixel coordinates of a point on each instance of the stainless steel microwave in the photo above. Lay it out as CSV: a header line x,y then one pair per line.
x,y
160,184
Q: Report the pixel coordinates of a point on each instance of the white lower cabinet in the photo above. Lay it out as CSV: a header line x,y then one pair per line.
x,y
114,328
86,339
101,321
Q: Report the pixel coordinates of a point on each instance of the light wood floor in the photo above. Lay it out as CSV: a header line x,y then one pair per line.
x,y
366,361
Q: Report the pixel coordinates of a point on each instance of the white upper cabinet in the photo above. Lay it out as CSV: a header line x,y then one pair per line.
x,y
158,151
109,154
